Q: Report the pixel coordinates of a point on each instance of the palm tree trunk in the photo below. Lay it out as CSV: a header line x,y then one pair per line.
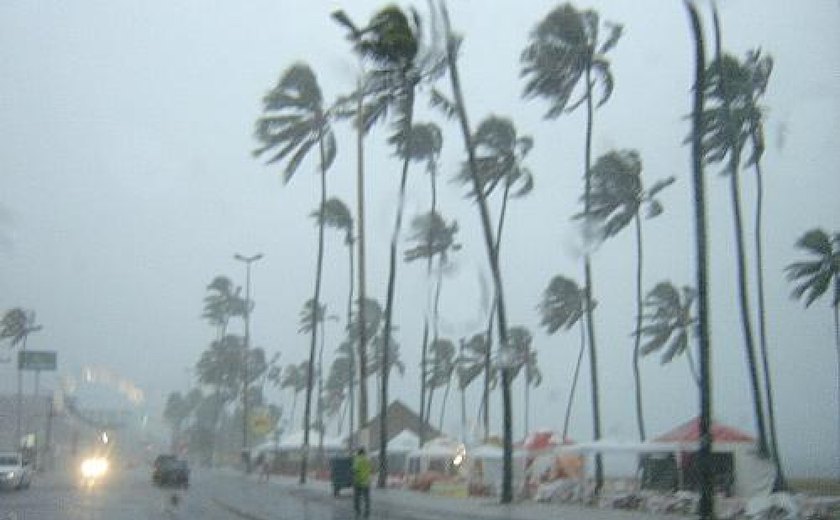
x,y
488,354
314,324
587,269
425,346
706,503
389,303
637,339
781,483
360,209
837,344
320,402
428,412
351,390
574,382
443,403
507,460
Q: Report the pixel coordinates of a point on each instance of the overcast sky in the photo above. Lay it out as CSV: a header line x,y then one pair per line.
x,y
127,184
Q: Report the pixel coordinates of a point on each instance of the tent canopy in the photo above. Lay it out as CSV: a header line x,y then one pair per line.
x,y
690,432
295,440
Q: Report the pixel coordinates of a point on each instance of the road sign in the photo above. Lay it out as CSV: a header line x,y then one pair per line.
x,y
37,360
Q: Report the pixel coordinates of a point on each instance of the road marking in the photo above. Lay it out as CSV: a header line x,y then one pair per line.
x,y
238,512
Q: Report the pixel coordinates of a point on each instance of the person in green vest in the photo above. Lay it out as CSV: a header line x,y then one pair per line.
x,y
361,482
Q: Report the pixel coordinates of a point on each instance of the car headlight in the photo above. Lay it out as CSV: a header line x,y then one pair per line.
x,y
94,467
10,475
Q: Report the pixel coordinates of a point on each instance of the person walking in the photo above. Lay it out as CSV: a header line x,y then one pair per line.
x,y
361,482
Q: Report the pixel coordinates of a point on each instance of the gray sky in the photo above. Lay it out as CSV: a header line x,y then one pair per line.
x,y
126,184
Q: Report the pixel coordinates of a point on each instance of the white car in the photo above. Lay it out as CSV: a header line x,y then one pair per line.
x,y
14,472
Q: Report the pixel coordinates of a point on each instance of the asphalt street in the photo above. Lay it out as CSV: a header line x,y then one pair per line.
x,y
227,495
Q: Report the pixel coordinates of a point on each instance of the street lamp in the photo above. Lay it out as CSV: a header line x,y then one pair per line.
x,y
248,260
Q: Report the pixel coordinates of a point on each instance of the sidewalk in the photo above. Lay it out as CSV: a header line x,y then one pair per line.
x,y
478,508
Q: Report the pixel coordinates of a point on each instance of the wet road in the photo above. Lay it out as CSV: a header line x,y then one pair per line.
x,y
129,495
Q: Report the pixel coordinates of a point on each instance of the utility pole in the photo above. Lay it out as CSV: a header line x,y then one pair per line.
x,y
248,260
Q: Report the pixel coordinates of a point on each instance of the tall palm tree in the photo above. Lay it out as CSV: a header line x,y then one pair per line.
x,y
819,275
222,303
470,364
458,108
759,68
706,503
439,373
500,152
562,306
669,323
294,379
391,41
566,51
426,144
295,122
520,357
617,198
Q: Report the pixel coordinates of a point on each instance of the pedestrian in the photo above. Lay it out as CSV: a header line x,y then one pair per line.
x,y
361,482
265,467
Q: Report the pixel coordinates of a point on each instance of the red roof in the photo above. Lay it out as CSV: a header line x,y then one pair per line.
x,y
543,439
690,432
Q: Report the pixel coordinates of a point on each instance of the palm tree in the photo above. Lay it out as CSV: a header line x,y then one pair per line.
x,y
727,124
439,374
426,144
519,356
222,303
294,379
706,503
565,51
562,306
819,275
295,122
335,214
669,323
457,107
391,41
617,198
499,155
470,364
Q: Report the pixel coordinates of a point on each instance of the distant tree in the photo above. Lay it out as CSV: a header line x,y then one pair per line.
x,y
521,358
16,326
296,121
669,323
439,375
562,306
617,198
222,303
294,379
470,364
567,54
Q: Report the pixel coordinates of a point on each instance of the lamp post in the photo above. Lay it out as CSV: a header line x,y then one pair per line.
x,y
248,260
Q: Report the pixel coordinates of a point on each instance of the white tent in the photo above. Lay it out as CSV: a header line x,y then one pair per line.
x,y
485,464
404,442
294,441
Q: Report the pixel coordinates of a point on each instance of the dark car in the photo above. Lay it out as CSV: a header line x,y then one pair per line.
x,y
169,470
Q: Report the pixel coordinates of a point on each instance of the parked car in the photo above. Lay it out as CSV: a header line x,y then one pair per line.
x,y
15,472
169,470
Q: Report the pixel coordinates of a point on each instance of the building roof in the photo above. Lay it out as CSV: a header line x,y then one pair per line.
x,y
400,419
690,432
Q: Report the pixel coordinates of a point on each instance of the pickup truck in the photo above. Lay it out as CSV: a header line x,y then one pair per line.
x,y
15,473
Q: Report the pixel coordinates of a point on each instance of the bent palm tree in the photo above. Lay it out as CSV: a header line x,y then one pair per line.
x,y
562,306
617,199
295,122
500,152
669,323
16,326
566,51
518,356
335,214
819,275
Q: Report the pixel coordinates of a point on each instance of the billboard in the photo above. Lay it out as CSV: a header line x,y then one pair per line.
x,y
37,360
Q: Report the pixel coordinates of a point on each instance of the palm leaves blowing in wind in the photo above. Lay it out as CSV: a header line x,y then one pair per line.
x,y
566,51
669,323
294,123
616,199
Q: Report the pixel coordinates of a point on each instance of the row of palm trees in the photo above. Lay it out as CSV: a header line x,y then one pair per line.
x,y
566,64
